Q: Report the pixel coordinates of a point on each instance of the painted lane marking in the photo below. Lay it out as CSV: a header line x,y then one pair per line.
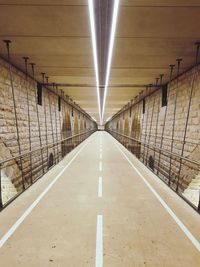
x,y
186,231
100,187
100,155
100,166
99,242
14,227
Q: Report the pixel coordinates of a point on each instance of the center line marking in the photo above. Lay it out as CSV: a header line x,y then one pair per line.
x,y
100,187
100,166
100,156
99,242
185,230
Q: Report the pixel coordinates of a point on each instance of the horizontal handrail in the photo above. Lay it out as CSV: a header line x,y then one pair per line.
x,y
158,148
171,139
43,147
173,184
25,182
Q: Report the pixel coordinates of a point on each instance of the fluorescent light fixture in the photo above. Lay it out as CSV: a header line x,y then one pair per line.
x,y
94,119
108,119
110,52
94,48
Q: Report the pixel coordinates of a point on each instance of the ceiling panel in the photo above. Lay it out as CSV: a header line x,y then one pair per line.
x,y
44,2
56,36
150,35
159,3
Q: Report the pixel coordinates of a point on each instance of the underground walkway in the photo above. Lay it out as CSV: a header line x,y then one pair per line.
x,y
99,207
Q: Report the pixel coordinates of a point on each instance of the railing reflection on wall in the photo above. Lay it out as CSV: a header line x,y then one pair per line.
x,y
12,187
174,179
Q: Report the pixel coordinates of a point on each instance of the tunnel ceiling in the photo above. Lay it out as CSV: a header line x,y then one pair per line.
x,y
56,36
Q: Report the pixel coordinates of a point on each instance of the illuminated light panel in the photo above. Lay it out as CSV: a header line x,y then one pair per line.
x,y
94,119
110,52
94,48
108,118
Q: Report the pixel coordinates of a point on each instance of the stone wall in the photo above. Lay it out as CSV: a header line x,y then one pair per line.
x,y
46,123
155,132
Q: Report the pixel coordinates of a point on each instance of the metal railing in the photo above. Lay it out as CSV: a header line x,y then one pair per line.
x,y
17,174
158,164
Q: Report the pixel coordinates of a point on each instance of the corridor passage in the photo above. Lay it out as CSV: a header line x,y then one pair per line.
x,y
99,207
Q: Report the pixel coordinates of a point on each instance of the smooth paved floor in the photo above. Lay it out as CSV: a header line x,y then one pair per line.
x,y
99,211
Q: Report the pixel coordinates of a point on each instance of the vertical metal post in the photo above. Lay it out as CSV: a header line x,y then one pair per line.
x,y
174,117
45,115
60,112
63,144
147,117
55,108
29,121
157,119
165,116
1,200
37,114
131,116
79,127
66,142
142,128
138,136
199,203
134,127
8,42
43,74
71,133
188,113
136,113
151,121
52,132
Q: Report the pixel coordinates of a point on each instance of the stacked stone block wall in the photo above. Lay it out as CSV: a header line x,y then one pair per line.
x,y
47,125
150,126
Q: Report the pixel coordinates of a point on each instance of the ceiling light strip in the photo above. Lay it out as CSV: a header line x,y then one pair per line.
x,y
110,52
94,48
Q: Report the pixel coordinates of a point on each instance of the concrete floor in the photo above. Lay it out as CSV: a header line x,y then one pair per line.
x,y
72,225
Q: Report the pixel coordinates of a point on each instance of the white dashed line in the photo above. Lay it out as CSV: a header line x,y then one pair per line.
x,y
100,187
99,242
100,166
